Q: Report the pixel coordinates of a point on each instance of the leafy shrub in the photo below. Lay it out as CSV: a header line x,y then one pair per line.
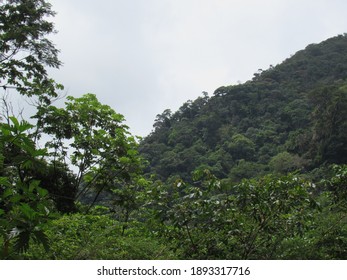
x,y
80,236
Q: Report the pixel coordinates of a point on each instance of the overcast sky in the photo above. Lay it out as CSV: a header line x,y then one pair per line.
x,y
144,56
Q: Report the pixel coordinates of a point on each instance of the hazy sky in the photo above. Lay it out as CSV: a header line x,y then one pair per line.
x,y
144,56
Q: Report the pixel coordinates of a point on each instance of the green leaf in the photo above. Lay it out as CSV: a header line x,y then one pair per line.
x,y
27,211
15,198
41,238
5,182
5,129
15,121
24,126
33,185
124,160
21,243
42,192
132,152
40,153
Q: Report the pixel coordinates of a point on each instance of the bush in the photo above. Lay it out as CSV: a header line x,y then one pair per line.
x,y
94,237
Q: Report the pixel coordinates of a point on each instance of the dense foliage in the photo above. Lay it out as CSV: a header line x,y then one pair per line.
x,y
271,218
258,171
289,117
25,49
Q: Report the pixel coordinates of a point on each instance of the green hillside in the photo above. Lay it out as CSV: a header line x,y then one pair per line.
x,y
257,171
290,117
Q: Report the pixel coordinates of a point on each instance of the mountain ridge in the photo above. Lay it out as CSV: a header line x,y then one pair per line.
x,y
287,118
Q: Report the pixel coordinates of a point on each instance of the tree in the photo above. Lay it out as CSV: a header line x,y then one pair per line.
x,y
92,137
24,205
25,50
163,120
329,124
285,162
241,147
210,219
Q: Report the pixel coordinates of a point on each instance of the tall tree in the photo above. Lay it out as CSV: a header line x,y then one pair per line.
x,y
24,205
329,123
91,137
25,50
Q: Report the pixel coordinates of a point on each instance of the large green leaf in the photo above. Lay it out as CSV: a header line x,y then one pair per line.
x,y
22,240
28,211
41,238
5,182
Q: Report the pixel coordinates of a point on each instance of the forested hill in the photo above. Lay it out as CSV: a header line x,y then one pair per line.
x,y
72,182
290,117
